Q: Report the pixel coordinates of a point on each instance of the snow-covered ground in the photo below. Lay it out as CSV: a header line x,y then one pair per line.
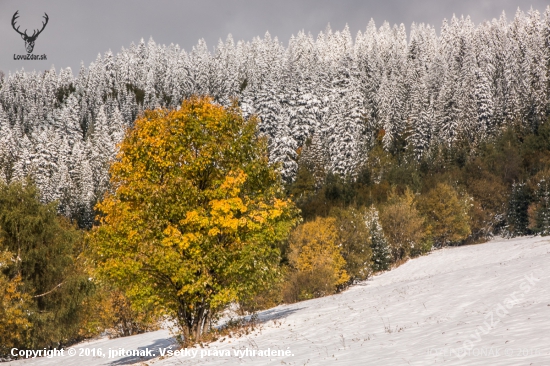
x,y
486,304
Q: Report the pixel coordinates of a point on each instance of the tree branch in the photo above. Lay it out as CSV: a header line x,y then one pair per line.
x,y
52,290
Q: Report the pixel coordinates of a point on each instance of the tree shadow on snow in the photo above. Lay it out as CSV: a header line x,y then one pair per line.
x,y
263,317
154,349
274,314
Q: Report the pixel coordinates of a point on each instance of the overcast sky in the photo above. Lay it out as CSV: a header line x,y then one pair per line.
x,y
78,30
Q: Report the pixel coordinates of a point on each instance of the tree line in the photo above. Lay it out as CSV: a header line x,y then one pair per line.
x,y
419,88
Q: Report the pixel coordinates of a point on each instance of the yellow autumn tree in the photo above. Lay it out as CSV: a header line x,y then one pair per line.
x,y
317,264
447,214
14,306
403,225
195,216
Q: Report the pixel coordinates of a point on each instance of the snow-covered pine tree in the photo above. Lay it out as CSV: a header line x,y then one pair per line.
x,y
8,145
117,128
485,107
300,96
82,176
536,72
101,148
69,120
282,150
546,40
264,92
22,167
465,62
391,94
225,72
345,118
315,157
370,69
201,66
420,104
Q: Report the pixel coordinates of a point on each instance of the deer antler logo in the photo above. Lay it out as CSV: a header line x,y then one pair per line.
x,y
29,40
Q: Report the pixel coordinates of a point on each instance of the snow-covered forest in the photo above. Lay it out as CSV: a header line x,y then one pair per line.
x,y
423,87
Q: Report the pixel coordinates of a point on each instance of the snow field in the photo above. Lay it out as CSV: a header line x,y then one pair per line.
x,y
486,304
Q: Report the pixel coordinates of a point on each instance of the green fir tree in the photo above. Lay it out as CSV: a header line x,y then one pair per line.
x,y
518,204
381,254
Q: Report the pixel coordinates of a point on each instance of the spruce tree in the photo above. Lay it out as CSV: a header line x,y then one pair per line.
x,y
44,246
381,253
518,204
543,211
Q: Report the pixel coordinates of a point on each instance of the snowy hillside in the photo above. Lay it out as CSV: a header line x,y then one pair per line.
x,y
424,312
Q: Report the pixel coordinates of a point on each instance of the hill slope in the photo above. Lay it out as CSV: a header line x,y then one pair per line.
x,y
423,312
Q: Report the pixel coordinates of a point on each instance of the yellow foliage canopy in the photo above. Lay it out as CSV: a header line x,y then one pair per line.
x,y
447,214
403,225
195,215
315,255
14,323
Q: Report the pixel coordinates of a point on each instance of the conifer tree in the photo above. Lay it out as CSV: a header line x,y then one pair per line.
x,y
282,150
45,272
543,209
518,204
381,253
314,156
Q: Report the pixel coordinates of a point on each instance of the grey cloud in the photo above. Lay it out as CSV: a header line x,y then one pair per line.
x,y
79,30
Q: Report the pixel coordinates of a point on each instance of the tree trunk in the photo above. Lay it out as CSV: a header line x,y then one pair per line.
x,y
192,324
